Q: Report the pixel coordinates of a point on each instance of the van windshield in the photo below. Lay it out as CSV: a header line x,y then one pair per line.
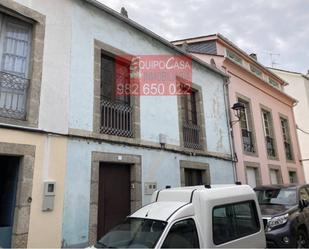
x,y
133,233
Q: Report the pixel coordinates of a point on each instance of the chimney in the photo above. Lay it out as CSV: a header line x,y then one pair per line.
x,y
308,73
185,46
253,56
124,12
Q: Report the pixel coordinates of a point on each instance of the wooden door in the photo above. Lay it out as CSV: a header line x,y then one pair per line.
x,y
114,196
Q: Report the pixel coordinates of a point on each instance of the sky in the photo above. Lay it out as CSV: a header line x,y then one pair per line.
x,y
264,27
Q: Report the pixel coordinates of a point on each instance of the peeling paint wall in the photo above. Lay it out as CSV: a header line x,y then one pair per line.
x,y
90,23
157,166
158,115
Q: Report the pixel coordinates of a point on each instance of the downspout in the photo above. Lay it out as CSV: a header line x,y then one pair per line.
x,y
228,117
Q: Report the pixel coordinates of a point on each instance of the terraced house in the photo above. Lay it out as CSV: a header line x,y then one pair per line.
x,y
68,143
264,131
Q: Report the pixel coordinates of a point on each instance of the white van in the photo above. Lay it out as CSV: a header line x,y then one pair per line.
x,y
193,217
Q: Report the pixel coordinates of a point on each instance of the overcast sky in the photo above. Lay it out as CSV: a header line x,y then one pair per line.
x,y
256,26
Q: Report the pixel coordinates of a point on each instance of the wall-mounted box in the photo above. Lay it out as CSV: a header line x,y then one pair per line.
x,y
150,187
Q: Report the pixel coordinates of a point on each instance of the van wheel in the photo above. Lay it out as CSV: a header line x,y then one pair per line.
x,y
302,239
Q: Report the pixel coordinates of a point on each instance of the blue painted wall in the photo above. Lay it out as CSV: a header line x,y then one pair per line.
x,y
157,166
88,24
158,115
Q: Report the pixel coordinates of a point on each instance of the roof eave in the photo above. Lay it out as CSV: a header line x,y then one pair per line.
x,y
153,35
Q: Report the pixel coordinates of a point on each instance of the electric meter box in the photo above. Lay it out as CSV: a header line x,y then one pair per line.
x,y
49,195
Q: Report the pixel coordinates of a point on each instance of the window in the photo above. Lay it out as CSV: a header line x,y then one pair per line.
x,y
233,56
116,111
193,177
15,49
286,138
256,71
274,176
191,128
234,221
273,83
246,127
252,176
183,234
293,177
303,194
269,133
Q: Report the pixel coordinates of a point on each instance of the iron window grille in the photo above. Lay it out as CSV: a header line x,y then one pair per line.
x,y
116,110
15,48
191,128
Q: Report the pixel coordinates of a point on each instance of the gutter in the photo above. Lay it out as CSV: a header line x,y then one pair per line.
x,y
230,128
153,35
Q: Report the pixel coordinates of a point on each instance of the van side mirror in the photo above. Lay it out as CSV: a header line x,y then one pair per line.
x,y
303,203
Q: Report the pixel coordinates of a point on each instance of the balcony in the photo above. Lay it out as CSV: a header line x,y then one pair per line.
x,y
191,136
247,139
13,96
270,146
116,119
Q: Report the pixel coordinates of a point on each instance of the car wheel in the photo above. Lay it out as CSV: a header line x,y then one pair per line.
x,y
302,239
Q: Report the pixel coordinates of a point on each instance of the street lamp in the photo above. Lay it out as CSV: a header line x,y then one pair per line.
x,y
237,109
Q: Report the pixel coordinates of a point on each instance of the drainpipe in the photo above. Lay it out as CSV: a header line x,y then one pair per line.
x,y
228,117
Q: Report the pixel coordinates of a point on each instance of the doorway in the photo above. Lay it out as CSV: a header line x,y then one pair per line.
x,y
114,203
9,166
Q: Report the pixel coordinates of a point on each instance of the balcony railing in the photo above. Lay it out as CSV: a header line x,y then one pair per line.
x,y
270,146
191,136
13,96
116,119
247,140
288,151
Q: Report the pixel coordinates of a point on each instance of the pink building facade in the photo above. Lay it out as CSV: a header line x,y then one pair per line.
x,y
266,146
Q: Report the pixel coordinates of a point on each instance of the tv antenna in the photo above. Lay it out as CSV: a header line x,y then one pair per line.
x,y
272,56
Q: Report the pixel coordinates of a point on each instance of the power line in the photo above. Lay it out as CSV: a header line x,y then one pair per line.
x,y
306,132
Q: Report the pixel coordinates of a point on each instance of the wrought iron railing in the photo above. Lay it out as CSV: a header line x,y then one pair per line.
x,y
247,139
270,146
288,151
13,96
191,136
116,119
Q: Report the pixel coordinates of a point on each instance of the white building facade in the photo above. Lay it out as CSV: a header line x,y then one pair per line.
x,y
298,88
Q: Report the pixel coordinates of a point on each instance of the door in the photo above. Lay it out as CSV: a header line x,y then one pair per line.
x,y
8,186
251,176
114,196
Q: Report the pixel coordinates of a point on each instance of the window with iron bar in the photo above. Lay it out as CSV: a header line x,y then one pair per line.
x,y
286,138
246,127
15,50
116,109
191,127
269,133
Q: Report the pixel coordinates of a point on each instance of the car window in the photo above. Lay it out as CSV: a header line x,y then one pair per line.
x,y
303,194
233,221
183,234
281,196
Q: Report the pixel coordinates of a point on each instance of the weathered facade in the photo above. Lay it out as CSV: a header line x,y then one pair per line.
x,y
62,135
298,87
265,140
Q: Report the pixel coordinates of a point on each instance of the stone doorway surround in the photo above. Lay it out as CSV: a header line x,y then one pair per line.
x,y
26,153
134,162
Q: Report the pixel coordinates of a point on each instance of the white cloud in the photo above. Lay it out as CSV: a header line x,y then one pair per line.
x,y
260,26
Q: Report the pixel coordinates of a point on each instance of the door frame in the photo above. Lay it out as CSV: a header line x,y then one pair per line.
x,y
132,161
24,190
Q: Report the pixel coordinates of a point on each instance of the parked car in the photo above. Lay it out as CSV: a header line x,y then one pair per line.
x,y
193,217
285,214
